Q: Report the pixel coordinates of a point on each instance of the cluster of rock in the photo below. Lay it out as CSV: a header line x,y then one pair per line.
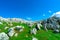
x,y
33,31
4,36
14,20
12,30
52,23
36,28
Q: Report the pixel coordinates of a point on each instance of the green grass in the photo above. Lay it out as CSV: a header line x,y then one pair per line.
x,y
41,34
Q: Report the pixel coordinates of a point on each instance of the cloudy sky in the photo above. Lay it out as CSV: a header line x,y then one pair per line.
x,y
29,9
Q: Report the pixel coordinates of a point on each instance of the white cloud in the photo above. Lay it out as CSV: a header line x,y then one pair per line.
x,y
49,11
28,18
43,14
57,14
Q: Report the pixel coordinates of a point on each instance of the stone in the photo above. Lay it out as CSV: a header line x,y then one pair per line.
x,y
4,36
56,31
33,31
6,28
38,26
11,32
19,28
16,34
1,23
30,25
34,38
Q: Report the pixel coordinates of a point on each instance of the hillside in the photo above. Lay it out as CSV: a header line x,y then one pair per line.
x,y
20,29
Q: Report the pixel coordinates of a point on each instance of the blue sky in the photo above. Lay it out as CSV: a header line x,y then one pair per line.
x,y
28,9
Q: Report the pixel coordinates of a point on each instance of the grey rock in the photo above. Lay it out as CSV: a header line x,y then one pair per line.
x,y
56,31
11,32
51,23
33,31
4,36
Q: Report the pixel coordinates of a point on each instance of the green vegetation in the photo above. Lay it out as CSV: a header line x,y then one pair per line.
x,y
25,35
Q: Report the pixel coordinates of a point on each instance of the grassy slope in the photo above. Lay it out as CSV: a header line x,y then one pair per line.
x,y
41,34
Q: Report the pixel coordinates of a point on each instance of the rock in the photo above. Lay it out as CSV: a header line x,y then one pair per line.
x,y
14,19
34,38
56,31
45,27
19,28
38,27
6,28
1,23
30,24
10,24
33,31
4,36
51,23
58,26
11,32
16,34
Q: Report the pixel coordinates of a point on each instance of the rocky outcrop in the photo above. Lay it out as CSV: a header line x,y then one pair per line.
x,y
4,36
52,23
